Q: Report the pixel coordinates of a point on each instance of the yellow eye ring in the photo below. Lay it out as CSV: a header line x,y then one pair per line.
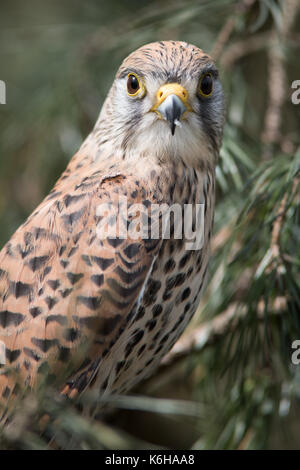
x,y
135,85
206,85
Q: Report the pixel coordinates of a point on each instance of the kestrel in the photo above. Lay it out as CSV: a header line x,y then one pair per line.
x,y
110,308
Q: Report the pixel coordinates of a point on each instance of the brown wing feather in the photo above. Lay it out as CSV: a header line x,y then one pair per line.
x,y
61,286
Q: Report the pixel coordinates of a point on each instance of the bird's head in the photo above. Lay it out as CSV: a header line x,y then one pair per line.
x,y
166,100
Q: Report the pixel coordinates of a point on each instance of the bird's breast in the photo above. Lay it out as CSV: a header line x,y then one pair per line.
x,y
168,299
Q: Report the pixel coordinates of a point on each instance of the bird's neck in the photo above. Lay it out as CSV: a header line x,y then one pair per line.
x,y
145,158
149,143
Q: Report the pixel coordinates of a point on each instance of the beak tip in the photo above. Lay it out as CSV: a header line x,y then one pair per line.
x,y
172,109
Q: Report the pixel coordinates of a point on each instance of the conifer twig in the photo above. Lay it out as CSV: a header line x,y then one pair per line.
x,y
210,332
227,29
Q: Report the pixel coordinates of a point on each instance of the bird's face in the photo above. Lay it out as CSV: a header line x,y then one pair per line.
x,y
167,100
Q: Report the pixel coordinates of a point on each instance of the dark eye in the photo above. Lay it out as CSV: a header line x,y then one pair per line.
x,y
206,85
133,84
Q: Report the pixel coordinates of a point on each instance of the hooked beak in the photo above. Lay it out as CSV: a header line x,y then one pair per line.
x,y
171,104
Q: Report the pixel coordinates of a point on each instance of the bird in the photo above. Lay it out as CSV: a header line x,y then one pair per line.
x,y
107,309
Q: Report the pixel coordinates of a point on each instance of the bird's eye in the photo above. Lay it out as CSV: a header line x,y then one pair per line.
x,y
133,84
206,85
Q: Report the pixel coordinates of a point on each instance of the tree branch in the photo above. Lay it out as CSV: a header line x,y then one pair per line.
x,y
277,79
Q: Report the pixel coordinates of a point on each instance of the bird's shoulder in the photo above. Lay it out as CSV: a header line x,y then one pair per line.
x,y
61,282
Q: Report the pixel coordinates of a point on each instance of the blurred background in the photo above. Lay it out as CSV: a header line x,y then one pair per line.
x,y
230,382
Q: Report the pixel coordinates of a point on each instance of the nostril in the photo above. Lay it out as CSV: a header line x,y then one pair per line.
x,y
160,94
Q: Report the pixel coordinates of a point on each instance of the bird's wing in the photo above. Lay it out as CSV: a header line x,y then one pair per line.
x,y
61,285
